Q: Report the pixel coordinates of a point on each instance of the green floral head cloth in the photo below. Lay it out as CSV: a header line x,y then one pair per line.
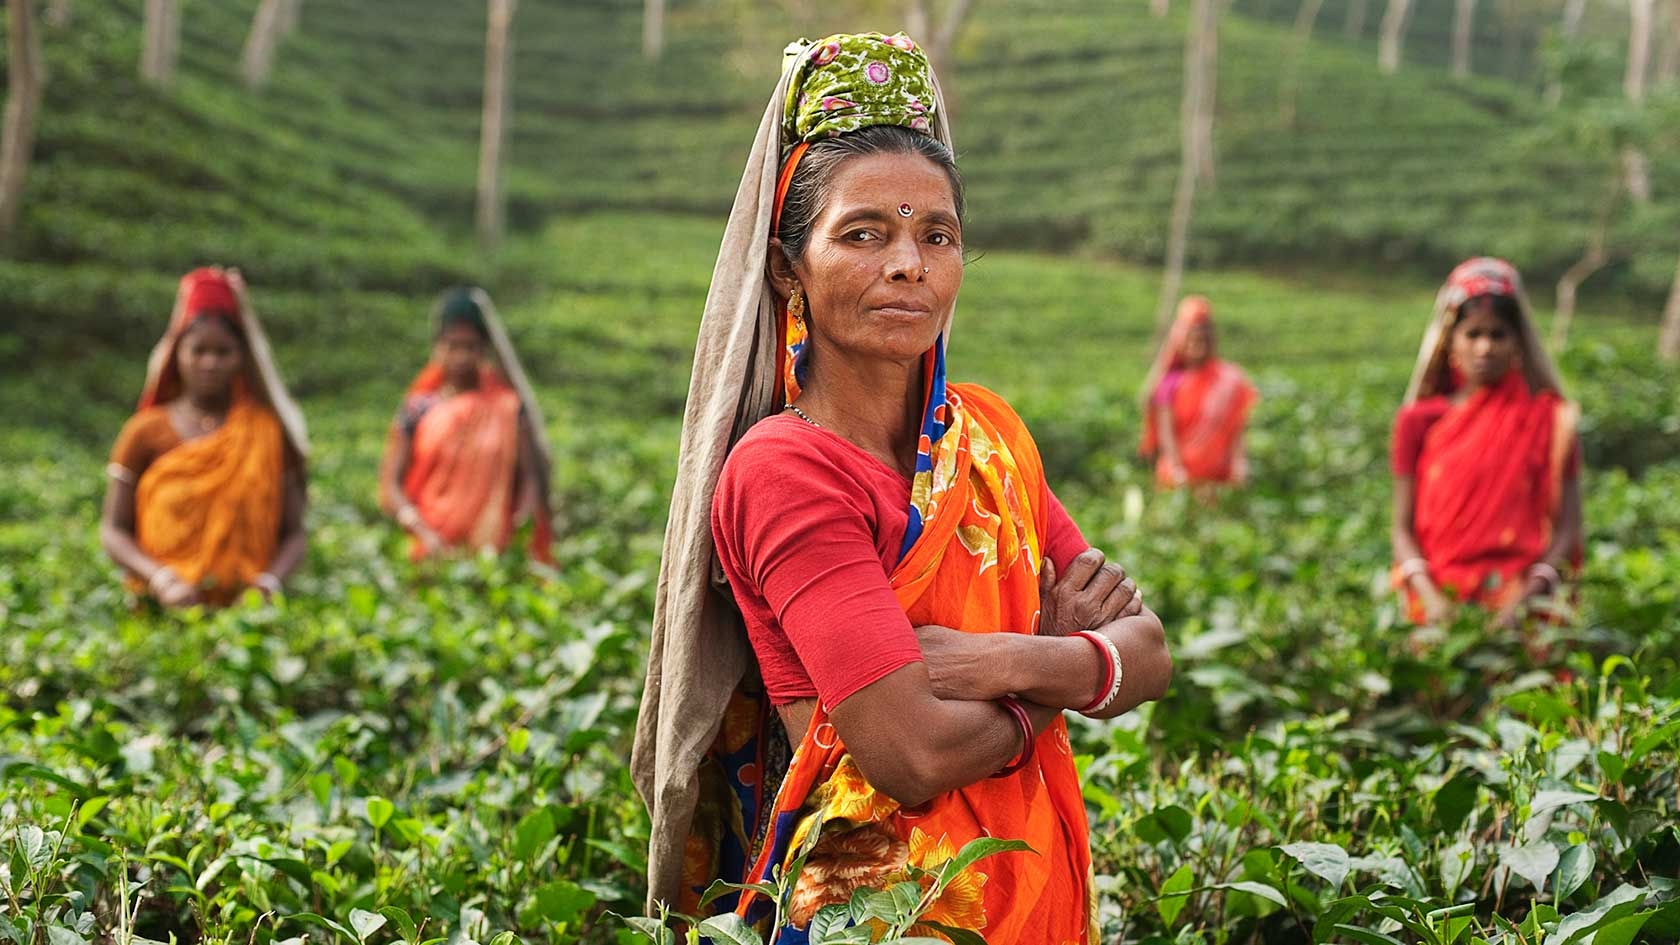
x,y
854,80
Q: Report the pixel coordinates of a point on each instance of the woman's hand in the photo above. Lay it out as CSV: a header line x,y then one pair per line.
x,y
1093,593
1437,607
171,589
429,540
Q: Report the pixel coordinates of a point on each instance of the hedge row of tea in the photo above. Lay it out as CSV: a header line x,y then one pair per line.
x,y
401,755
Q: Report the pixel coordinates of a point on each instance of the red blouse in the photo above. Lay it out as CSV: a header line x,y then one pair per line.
x,y
808,527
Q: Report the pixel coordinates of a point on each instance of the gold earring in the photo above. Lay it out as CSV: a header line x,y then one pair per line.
x,y
796,307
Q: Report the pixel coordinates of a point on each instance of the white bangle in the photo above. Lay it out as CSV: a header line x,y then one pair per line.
x,y
161,578
408,516
1547,573
1119,673
267,581
1414,567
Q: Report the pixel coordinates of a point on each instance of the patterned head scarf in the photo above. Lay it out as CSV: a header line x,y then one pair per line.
x,y
1471,279
743,359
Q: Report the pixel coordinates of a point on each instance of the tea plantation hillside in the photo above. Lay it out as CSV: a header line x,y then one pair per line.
x,y
345,188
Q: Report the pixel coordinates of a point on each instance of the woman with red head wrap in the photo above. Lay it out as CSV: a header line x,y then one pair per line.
x,y
1487,496
1195,406
206,493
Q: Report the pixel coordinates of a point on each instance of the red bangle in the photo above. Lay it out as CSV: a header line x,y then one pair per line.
x,y
1109,669
1014,707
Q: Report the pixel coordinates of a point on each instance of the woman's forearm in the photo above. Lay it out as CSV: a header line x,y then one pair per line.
x,y
125,551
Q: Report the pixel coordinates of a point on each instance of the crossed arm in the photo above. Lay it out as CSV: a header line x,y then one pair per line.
x,y
934,726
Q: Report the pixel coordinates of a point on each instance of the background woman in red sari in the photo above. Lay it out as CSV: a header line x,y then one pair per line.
x,y
1195,406
466,460
206,495
1487,495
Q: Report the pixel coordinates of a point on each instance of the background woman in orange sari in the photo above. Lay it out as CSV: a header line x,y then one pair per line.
x,y
1487,493
466,459
890,546
1195,406
206,494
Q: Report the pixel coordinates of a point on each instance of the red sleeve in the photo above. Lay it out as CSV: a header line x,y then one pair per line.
x,y
1062,540
802,532
1411,424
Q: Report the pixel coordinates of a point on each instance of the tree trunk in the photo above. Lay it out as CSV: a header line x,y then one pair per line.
x,y
1641,19
58,14
290,10
1464,25
1668,60
162,42
1573,12
1668,340
257,62
1208,97
1394,24
1159,8
1642,16
23,99
940,42
1200,39
1354,26
1289,88
916,21
492,128
1593,260
653,28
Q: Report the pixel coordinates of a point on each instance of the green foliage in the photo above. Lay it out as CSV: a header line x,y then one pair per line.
x,y
444,749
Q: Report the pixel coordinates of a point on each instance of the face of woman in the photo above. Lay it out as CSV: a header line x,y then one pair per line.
x,y
1198,345
209,358
862,271
1484,346
459,348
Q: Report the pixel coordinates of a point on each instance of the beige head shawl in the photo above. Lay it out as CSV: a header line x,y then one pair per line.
x,y
699,651
508,360
266,372
1472,278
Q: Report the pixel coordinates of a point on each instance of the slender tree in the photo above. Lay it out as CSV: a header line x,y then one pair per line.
x,y
23,99
939,38
493,128
1159,8
1668,60
1200,47
1641,23
1594,259
1464,26
256,64
58,14
1668,340
162,42
1573,12
653,28
1395,20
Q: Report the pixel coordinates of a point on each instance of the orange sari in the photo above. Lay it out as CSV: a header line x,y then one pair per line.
x,y
1489,478
210,508
463,468
975,568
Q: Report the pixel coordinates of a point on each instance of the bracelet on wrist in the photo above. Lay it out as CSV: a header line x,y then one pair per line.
x,y
1113,672
1018,711
161,578
1544,571
1413,567
267,581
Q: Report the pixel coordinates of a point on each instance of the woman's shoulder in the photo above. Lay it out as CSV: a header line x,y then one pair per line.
x,y
1423,411
781,445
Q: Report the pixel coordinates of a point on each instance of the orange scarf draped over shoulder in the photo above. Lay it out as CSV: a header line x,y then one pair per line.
x,y
974,568
210,508
463,464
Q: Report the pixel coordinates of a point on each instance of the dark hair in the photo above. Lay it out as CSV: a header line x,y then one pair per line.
x,y
1504,307
807,193
459,307
224,319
